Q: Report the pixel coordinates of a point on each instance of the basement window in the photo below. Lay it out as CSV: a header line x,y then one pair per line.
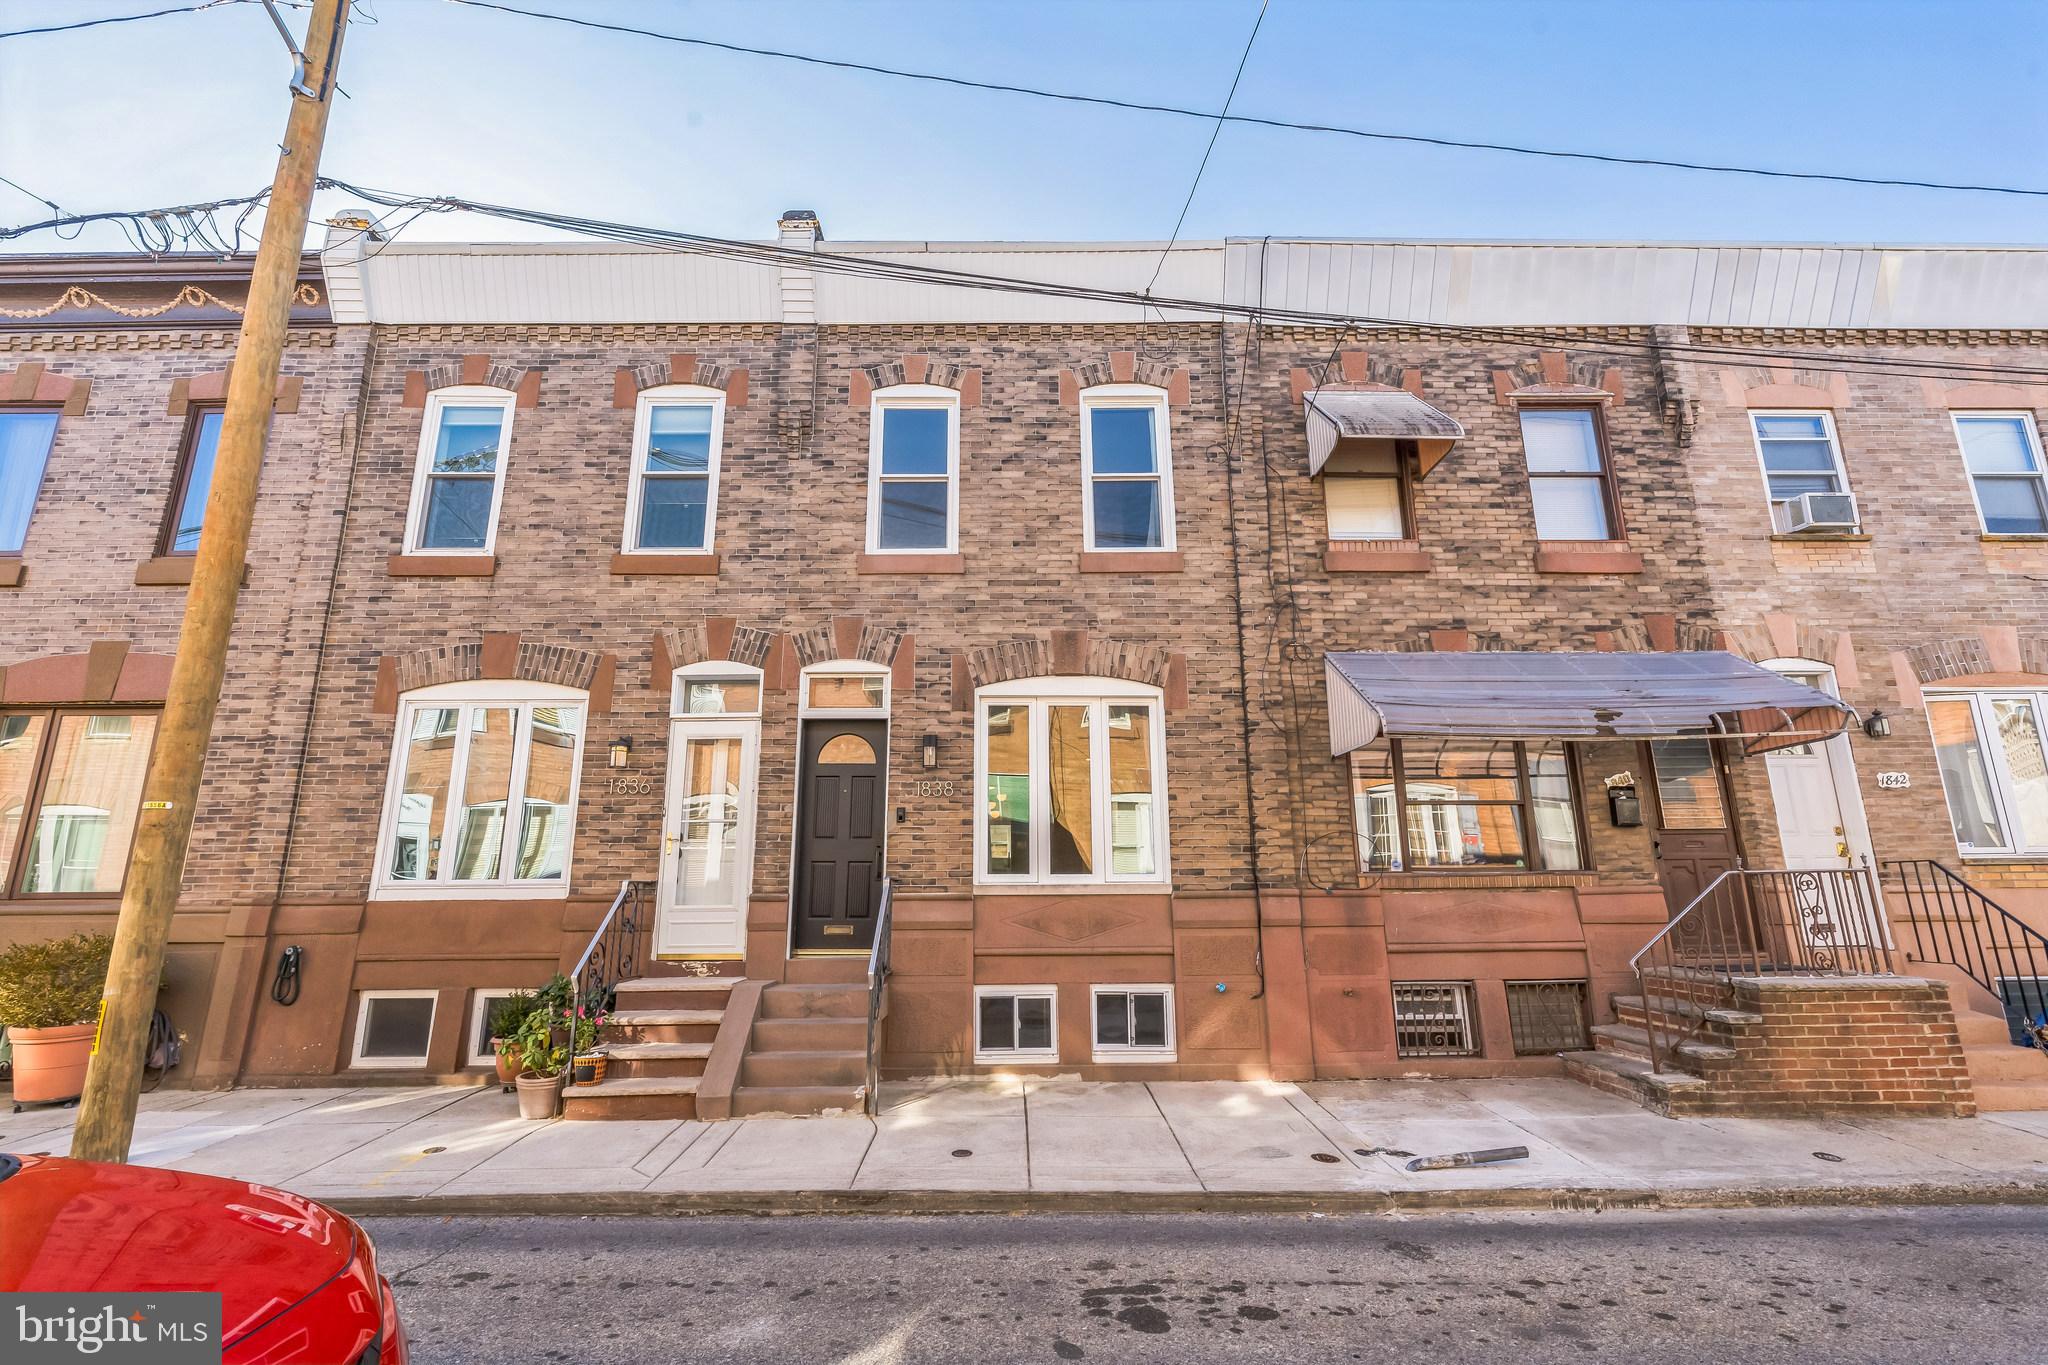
x,y
1133,1023
2026,1006
1434,1019
1547,1016
481,1053
1015,1024
394,1028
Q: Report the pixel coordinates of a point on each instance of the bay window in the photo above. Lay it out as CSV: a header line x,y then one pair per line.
x,y
70,792
1994,768
460,474
1126,468
483,791
1460,803
1071,785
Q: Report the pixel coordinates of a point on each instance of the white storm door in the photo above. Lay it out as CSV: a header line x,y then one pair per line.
x,y
707,859
1810,827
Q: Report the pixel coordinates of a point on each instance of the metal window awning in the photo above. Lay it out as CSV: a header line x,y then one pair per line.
x,y
1567,695
1377,415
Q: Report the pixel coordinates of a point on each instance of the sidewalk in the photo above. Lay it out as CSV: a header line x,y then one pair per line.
x,y
1033,1143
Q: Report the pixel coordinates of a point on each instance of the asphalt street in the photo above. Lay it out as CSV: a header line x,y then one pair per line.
x,y
1932,1284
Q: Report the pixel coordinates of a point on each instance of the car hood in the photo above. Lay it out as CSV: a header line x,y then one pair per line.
x,y
88,1225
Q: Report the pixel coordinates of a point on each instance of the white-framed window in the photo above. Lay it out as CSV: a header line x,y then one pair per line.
x,y
1071,774
715,687
2002,451
1126,469
459,479
1132,1023
845,687
914,470
481,1001
1016,1024
482,794
1799,453
672,499
1989,748
394,1028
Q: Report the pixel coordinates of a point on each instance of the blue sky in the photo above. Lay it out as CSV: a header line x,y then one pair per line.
x,y
497,107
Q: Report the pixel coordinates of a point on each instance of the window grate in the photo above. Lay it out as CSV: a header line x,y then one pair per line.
x,y
1433,1019
1547,1016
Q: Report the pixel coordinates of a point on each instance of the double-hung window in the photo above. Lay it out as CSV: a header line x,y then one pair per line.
x,y
1800,455
1994,768
70,791
2003,453
914,471
672,506
1072,784
1127,469
1570,482
25,441
1366,493
482,798
1452,803
460,476
187,513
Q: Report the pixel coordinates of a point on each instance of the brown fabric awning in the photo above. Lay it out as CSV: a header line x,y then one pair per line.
x,y
1563,695
1385,415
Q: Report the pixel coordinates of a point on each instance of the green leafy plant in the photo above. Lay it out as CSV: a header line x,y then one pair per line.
x,y
583,1026
509,1012
557,994
54,984
539,1053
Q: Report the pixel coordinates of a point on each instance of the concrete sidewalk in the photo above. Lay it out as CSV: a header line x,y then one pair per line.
x,y
1030,1142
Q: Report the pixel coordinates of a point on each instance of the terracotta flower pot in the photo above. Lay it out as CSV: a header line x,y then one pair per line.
x,y
539,1096
508,1063
49,1063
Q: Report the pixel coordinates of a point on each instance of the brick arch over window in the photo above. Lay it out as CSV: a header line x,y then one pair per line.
x,y
684,367
964,380
1779,635
108,671
1757,387
499,654
781,656
1994,655
1355,371
1122,367
472,369
1554,375
1070,653
32,382
212,387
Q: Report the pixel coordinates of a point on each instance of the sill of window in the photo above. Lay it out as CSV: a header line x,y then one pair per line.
x,y
1072,889
1017,1059
1132,561
172,571
643,562
2014,538
442,566
12,571
1134,1057
1820,537
1587,557
870,562
2006,859
1441,878
1375,556
470,893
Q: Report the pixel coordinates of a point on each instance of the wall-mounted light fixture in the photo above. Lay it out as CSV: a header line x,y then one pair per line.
x,y
931,751
621,752
1877,725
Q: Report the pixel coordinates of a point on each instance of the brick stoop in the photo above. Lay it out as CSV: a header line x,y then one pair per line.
x,y
1787,1046
2004,1077
659,1037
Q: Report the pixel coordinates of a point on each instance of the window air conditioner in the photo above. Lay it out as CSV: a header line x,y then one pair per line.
x,y
1819,512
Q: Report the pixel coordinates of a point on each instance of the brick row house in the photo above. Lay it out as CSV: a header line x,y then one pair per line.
x,y
1206,696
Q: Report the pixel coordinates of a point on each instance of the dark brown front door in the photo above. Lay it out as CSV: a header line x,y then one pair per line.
x,y
1693,841
840,811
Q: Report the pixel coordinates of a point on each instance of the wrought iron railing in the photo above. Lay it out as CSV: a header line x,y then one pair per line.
x,y
1959,926
614,954
878,983
1757,922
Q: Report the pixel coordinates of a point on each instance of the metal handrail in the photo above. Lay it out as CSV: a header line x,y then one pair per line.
x,y
611,956
1757,922
878,980
1980,937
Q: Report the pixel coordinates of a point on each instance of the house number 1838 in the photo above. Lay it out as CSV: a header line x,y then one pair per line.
x,y
933,788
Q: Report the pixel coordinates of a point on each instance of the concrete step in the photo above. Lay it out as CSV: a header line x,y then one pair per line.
x,y
812,971
1982,1030
751,1100
2004,1062
774,1070
1631,1009
637,1060
809,1035
1631,1077
676,992
656,1097
732,969
662,1026
2010,1096
814,1001
1628,1040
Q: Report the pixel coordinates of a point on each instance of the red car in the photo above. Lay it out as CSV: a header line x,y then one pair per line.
x,y
298,1281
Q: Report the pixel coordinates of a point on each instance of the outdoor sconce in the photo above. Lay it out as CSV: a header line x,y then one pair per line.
x,y
621,752
1624,807
1877,725
930,745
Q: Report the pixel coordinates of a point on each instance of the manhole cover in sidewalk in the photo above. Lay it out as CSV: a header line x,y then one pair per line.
x,y
1330,1157
429,1151
1829,1156
963,1151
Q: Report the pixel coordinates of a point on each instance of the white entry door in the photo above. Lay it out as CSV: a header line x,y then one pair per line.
x,y
707,856
1810,825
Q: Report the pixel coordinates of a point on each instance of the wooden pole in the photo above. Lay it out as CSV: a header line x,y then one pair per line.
x,y
156,864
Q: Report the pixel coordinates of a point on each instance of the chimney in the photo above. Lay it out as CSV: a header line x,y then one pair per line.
x,y
799,230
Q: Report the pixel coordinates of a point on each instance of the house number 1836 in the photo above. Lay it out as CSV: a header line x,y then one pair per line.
x,y
630,786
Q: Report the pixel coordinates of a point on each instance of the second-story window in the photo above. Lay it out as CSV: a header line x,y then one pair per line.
x,y
461,472
2003,452
913,470
1570,483
25,441
187,513
1366,493
1800,457
1126,469
673,503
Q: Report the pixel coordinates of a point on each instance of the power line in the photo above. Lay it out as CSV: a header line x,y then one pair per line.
x,y
55,207
1215,132
1374,134
117,19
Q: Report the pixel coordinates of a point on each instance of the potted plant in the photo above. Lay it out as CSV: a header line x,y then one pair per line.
x,y
507,1014
49,998
591,1061
540,1065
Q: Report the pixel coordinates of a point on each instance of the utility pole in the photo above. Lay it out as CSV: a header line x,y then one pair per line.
x,y
156,864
